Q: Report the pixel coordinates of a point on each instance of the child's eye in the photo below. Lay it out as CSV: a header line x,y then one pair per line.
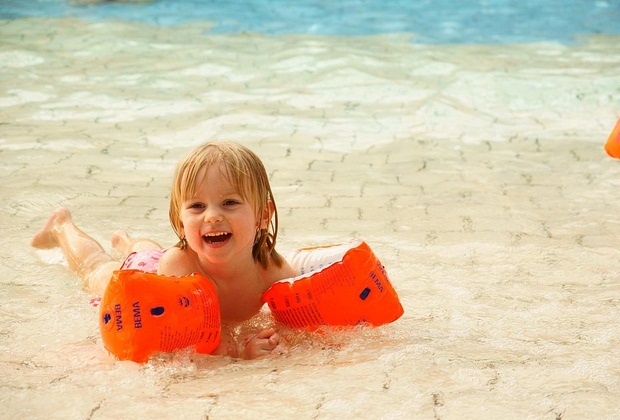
x,y
230,202
196,206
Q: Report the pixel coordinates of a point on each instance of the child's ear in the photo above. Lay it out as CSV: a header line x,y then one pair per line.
x,y
266,215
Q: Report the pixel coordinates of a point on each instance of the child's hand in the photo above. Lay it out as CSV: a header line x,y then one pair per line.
x,y
261,344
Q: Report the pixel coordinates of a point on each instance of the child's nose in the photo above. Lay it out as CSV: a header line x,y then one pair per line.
x,y
213,215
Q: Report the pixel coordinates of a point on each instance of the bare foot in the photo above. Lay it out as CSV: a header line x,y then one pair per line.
x,y
121,242
47,237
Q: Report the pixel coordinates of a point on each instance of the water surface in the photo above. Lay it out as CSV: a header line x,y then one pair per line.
x,y
437,22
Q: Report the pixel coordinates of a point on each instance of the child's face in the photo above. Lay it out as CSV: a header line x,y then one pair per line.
x,y
220,226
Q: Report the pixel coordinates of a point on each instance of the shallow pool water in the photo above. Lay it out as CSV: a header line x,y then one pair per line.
x,y
475,172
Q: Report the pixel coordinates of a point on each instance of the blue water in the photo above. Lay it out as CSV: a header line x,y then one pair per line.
x,y
430,21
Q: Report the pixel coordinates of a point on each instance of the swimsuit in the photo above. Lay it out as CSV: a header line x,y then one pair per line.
x,y
146,261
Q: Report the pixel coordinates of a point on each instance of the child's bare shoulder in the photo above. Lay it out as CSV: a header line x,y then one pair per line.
x,y
175,262
282,272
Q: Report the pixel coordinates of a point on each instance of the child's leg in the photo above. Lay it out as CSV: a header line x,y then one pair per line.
x,y
85,256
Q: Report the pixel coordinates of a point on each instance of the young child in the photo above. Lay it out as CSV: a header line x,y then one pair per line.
x,y
224,214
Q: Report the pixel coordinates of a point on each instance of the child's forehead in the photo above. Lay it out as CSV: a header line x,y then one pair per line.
x,y
217,178
217,173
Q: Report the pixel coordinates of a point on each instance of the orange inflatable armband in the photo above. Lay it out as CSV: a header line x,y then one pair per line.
x,y
338,285
143,314
612,146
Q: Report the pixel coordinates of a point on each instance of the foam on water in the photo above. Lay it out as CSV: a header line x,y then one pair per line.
x,y
476,173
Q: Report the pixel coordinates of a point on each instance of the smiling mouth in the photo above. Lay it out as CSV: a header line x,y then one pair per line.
x,y
215,238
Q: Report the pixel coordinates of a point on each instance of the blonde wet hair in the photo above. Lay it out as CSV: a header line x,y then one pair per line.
x,y
245,171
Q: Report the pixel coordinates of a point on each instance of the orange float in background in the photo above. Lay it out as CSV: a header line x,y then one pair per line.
x,y
142,314
338,285
612,146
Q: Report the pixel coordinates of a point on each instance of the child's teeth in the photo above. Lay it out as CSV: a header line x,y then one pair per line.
x,y
216,237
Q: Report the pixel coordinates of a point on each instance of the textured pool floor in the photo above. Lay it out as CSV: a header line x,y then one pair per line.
x,y
476,173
